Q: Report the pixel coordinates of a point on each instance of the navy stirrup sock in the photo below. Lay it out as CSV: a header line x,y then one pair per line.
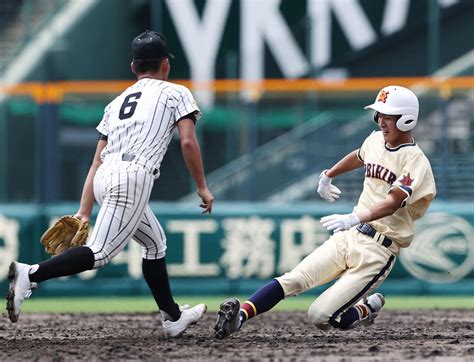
x,y
69,262
347,320
262,300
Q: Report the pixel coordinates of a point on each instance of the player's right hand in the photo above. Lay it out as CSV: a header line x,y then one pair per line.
x,y
326,190
207,200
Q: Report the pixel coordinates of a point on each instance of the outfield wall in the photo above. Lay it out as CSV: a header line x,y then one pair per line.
x,y
241,245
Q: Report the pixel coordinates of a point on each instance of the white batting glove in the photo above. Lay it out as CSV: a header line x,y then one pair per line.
x,y
326,190
338,222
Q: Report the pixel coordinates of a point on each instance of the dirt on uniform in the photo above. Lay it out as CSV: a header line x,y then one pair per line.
x,y
439,335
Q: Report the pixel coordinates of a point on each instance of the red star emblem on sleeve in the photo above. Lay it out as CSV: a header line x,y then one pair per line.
x,y
407,181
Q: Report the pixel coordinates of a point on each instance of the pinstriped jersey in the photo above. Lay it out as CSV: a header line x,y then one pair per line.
x,y
404,167
141,120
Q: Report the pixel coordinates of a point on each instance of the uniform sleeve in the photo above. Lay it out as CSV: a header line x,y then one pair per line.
x,y
417,182
187,105
103,126
361,151
360,155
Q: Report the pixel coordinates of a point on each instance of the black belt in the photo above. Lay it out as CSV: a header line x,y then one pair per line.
x,y
128,157
370,231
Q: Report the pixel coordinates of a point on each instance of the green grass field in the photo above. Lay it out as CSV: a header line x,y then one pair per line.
x,y
147,304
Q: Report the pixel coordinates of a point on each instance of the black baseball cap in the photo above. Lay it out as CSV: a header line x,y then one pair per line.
x,y
150,45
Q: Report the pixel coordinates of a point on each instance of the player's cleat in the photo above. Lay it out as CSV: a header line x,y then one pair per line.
x,y
228,320
375,302
189,316
20,288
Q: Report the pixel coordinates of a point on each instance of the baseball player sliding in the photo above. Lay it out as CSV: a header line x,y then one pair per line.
x,y
398,188
135,131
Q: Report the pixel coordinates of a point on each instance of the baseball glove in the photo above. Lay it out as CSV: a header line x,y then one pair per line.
x,y
65,233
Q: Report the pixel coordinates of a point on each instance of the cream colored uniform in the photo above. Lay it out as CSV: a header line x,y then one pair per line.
x,y
359,261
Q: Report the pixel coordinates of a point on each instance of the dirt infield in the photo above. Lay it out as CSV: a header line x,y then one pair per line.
x,y
444,335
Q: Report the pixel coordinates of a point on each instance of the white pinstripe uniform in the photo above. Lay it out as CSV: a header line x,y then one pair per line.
x,y
139,125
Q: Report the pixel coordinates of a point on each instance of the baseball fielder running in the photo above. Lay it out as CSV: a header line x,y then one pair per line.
x,y
135,131
398,188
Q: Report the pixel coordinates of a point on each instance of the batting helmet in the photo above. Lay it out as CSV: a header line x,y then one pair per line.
x,y
397,100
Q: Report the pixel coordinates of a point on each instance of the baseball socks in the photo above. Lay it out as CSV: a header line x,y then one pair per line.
x,y
364,312
264,299
352,316
69,262
156,276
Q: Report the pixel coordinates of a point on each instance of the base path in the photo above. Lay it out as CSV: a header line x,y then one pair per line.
x,y
444,335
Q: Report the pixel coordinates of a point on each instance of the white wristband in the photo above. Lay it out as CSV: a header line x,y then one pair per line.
x,y
324,179
364,215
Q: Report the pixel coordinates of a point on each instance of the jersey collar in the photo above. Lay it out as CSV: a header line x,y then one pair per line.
x,y
394,149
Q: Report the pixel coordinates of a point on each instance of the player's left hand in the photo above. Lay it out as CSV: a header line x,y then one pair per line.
x,y
82,216
65,233
337,222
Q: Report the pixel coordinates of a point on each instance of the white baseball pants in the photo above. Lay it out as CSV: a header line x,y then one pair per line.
x,y
359,263
123,190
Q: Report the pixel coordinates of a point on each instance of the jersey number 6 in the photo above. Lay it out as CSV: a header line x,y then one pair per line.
x,y
129,105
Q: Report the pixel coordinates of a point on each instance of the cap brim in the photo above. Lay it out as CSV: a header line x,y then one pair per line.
x,y
169,55
379,107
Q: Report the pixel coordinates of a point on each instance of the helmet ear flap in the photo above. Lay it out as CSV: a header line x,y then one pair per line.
x,y
406,123
376,117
